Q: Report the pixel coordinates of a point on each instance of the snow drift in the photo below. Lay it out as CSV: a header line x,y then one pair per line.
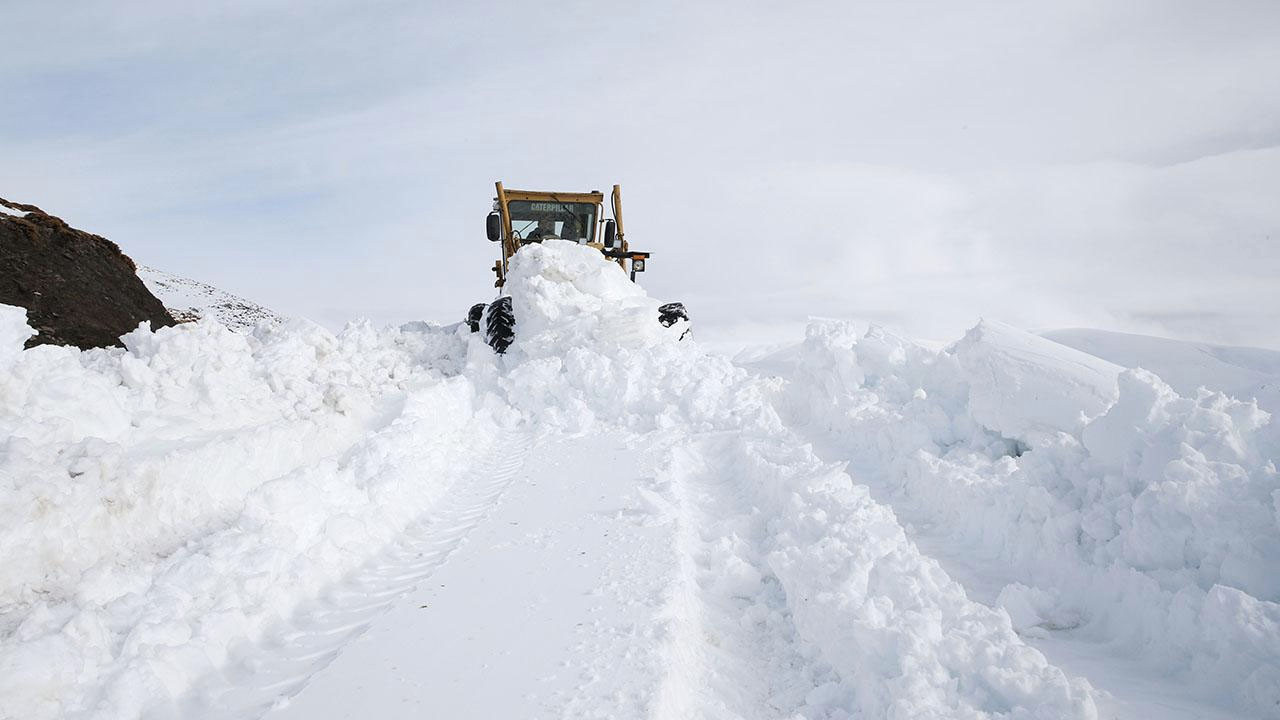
x,y
1241,372
161,500
169,499
1121,509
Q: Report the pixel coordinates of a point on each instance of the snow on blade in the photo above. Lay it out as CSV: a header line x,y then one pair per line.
x,y
564,294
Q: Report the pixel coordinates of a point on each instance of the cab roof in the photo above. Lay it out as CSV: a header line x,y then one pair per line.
x,y
595,196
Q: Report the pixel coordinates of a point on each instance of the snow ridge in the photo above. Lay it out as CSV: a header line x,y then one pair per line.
x,y
1144,518
163,500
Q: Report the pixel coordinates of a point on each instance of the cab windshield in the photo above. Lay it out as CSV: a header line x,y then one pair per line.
x,y
540,219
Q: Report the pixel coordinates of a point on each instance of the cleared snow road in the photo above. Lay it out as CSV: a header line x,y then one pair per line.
x,y
260,676
591,578
548,606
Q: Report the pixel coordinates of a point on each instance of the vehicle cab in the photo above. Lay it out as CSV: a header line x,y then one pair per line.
x,y
521,217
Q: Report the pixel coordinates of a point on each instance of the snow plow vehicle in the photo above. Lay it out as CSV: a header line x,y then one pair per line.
x,y
523,217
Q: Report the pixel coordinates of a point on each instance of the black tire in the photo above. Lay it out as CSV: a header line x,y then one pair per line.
x,y
499,325
671,313
474,315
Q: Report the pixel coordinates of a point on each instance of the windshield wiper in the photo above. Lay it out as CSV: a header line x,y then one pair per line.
x,y
577,224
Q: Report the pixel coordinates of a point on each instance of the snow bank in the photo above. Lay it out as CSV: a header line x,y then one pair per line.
x,y
1202,479
901,636
160,502
1123,509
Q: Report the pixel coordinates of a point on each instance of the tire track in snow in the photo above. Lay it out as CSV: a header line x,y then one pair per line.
x,y
266,674
732,649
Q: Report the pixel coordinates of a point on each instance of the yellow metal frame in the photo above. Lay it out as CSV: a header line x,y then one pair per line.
x,y
617,216
568,197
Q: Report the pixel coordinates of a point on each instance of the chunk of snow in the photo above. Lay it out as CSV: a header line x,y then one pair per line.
x,y
14,333
1021,385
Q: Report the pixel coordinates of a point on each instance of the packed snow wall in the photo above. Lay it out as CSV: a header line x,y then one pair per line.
x,y
1121,509
160,500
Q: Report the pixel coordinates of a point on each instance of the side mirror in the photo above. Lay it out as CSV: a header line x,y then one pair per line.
x,y
493,226
610,233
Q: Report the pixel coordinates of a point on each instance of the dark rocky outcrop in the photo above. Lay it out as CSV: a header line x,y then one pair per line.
x,y
78,288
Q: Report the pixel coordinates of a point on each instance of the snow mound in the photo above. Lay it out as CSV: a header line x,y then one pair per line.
x,y
159,501
901,636
1195,483
188,299
1021,385
1121,509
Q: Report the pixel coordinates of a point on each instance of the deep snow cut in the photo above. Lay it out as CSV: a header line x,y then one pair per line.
x,y
173,500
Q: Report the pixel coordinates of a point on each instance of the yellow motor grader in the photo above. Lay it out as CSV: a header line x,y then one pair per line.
x,y
522,217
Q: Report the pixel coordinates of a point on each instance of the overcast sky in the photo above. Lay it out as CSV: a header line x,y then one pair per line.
x,y
1103,164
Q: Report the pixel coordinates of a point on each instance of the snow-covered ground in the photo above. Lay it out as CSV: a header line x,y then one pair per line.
x,y
1241,372
188,299
608,522
1094,504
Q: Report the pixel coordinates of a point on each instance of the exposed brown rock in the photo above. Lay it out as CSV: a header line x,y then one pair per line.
x,y
78,288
